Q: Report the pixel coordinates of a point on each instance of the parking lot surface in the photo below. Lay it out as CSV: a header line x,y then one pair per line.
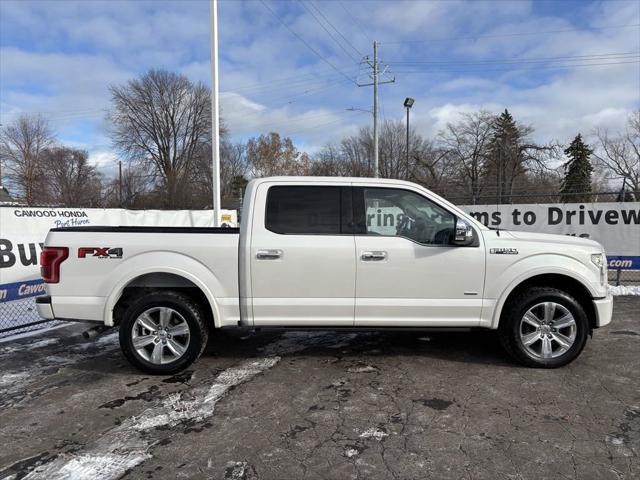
x,y
327,405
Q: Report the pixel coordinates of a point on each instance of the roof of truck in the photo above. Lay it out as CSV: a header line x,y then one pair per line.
x,y
390,181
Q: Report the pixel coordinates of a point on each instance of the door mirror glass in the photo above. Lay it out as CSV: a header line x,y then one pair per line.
x,y
464,234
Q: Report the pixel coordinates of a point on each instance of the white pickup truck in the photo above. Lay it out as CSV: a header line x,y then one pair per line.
x,y
328,252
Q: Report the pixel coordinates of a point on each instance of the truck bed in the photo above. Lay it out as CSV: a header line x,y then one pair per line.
x,y
102,261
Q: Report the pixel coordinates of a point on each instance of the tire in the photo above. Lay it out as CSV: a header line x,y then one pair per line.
x,y
543,327
163,332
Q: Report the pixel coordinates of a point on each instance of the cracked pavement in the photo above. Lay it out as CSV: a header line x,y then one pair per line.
x,y
374,405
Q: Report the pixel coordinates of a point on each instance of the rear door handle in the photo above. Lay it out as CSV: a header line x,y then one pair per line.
x,y
375,256
269,254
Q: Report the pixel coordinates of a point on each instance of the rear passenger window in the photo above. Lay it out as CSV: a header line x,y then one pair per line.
x,y
303,210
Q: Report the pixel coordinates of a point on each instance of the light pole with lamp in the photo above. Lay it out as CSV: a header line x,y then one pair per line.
x,y
408,103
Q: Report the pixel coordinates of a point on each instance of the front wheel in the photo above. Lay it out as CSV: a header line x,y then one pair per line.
x,y
544,327
163,332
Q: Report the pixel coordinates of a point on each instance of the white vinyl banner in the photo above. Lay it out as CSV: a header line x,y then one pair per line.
x,y
23,230
615,225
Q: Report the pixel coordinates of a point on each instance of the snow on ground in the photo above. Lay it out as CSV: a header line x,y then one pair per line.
x,y
376,433
625,290
126,445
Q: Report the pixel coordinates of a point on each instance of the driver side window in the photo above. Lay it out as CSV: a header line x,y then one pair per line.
x,y
403,213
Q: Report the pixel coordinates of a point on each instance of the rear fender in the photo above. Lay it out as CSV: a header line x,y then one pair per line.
x,y
162,262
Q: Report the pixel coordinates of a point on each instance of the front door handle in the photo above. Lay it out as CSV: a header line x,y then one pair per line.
x,y
375,256
269,254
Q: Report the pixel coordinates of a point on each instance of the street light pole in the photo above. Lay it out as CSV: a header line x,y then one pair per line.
x,y
408,103
376,170
215,118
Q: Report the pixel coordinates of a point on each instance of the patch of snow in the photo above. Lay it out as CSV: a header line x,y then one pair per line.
x,y
200,403
110,465
350,452
9,379
362,369
376,433
126,445
237,470
614,440
624,290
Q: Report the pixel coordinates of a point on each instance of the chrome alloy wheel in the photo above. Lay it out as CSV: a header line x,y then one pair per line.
x,y
547,330
160,335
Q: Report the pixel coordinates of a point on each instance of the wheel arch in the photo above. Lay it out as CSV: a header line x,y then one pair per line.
x,y
159,279
566,283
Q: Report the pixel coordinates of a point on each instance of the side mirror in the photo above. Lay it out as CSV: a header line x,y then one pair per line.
x,y
464,234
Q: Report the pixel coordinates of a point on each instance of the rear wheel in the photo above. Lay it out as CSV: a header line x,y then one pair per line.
x,y
544,327
163,332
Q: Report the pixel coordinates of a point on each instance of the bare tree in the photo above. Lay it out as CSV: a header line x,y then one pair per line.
x,y
234,168
72,180
273,155
620,155
432,168
21,144
466,144
330,162
135,191
162,118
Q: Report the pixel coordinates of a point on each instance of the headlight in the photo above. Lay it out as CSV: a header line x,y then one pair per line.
x,y
598,260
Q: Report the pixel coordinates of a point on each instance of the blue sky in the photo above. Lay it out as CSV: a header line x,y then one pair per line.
x,y
537,58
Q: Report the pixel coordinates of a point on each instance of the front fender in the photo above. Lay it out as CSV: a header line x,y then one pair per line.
x,y
162,262
532,266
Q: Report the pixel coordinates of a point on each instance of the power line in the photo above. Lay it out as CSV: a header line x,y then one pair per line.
x,y
285,81
537,67
515,34
349,54
355,21
321,57
346,40
509,61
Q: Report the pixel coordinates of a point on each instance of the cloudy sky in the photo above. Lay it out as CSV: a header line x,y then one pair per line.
x,y
562,66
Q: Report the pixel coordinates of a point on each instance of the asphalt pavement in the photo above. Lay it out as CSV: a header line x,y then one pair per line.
x,y
326,405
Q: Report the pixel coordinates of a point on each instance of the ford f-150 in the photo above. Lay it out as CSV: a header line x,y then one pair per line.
x,y
328,252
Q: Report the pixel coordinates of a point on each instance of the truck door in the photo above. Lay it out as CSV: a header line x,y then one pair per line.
x,y
302,255
408,273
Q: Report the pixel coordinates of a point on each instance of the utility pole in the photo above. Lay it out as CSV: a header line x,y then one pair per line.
x,y
375,67
215,118
120,183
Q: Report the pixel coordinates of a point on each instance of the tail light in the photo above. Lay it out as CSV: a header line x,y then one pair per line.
x,y
50,260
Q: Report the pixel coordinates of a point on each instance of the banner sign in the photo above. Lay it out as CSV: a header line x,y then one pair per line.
x,y
23,230
615,225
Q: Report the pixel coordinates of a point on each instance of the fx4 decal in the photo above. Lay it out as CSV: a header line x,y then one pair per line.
x,y
100,252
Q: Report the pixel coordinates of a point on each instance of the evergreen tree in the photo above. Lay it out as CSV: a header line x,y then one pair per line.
x,y
505,156
576,185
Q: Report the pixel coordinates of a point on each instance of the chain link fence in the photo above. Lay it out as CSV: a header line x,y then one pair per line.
x,y
20,316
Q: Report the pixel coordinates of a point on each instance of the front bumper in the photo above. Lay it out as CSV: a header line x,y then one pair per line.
x,y
43,305
604,310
